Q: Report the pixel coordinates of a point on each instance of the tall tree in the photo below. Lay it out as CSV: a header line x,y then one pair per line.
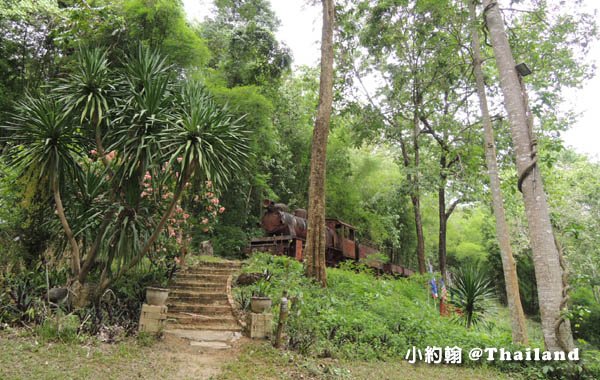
x,y
316,237
519,329
549,268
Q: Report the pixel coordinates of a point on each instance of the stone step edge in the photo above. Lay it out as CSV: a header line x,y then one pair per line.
x,y
233,328
234,310
195,293
200,284
224,264
186,316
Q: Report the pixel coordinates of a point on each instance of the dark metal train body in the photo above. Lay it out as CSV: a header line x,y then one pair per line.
x,y
286,235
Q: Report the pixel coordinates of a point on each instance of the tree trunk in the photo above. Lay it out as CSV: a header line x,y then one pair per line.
x,y
443,220
416,203
316,236
547,258
60,211
519,329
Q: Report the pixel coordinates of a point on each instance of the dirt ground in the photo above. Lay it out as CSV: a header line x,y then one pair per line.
x,y
195,362
24,356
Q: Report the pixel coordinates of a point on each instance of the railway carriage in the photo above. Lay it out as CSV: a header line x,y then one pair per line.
x,y
286,235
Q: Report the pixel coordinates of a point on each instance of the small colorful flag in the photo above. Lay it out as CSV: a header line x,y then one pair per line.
x,y
443,291
434,291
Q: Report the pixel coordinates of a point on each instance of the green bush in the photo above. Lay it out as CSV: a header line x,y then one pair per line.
x,y
121,305
229,241
585,316
22,296
472,293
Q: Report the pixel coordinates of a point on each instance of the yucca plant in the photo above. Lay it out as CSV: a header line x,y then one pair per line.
x,y
87,92
153,125
202,143
472,293
47,148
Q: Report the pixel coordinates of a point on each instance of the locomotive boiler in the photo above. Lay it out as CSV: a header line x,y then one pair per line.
x,y
286,235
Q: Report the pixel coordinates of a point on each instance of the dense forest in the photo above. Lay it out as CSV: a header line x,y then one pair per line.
x,y
131,136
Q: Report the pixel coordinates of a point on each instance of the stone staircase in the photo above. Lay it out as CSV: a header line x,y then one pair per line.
x,y
198,299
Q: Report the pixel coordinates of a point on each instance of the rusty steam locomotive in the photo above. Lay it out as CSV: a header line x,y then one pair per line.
x,y
286,235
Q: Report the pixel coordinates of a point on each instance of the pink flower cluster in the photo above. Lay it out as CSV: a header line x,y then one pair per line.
x,y
109,156
179,227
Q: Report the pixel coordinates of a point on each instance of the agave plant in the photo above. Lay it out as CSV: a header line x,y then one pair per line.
x,y
472,293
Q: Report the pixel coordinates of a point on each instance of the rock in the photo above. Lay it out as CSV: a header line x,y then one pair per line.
x,y
248,278
206,248
58,295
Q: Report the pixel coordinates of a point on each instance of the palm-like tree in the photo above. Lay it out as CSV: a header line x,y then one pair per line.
x,y
472,293
151,121
47,149
202,142
88,90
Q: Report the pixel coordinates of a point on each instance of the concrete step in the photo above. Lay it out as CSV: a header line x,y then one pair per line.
x,y
186,318
173,301
193,296
198,286
208,309
208,270
201,309
214,277
210,326
222,264
202,277
201,322
207,339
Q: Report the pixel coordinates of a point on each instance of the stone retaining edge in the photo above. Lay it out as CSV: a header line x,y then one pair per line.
x,y
234,310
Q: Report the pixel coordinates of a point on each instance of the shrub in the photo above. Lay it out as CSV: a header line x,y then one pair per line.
x,y
472,294
585,316
22,297
229,241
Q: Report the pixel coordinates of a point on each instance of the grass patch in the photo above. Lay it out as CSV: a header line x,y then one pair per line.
x,y
26,356
193,260
260,361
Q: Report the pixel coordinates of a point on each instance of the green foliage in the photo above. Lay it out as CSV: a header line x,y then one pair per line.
x,y
228,241
585,318
21,297
59,328
161,25
242,39
49,142
117,311
159,134
146,339
472,293
261,288
362,316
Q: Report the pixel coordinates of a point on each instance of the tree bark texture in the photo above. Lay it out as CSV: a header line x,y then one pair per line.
x,y
316,236
416,203
519,328
443,219
60,211
546,256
